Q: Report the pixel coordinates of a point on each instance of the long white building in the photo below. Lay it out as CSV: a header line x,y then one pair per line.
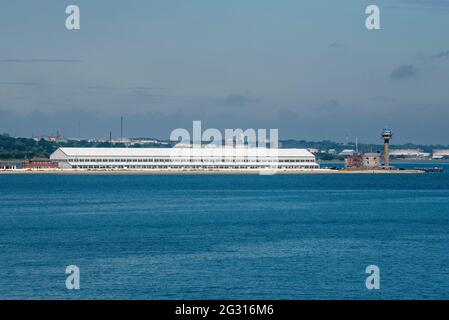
x,y
409,153
440,153
184,159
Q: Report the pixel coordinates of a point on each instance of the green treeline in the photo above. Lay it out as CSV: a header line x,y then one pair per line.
x,y
24,148
12,148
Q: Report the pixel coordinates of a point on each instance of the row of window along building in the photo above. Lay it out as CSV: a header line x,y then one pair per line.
x,y
226,158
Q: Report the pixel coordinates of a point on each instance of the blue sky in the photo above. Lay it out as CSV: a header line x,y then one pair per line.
x,y
309,68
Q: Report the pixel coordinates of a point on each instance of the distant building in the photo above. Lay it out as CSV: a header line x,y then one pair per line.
x,y
408,153
440,154
10,165
313,150
50,138
40,164
372,160
124,141
353,162
96,140
147,141
347,153
364,161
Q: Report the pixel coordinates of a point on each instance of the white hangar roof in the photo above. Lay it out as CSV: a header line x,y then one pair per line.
x,y
64,153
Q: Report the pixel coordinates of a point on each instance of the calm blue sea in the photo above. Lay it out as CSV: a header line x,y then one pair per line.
x,y
224,236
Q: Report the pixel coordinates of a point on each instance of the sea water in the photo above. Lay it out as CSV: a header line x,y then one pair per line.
x,y
224,236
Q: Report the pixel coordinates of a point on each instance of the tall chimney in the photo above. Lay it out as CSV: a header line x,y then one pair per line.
x,y
121,129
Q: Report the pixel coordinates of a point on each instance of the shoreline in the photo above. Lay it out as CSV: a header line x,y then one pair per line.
x,y
202,172
428,161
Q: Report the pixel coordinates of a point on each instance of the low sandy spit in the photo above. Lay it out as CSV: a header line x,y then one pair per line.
x,y
182,172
